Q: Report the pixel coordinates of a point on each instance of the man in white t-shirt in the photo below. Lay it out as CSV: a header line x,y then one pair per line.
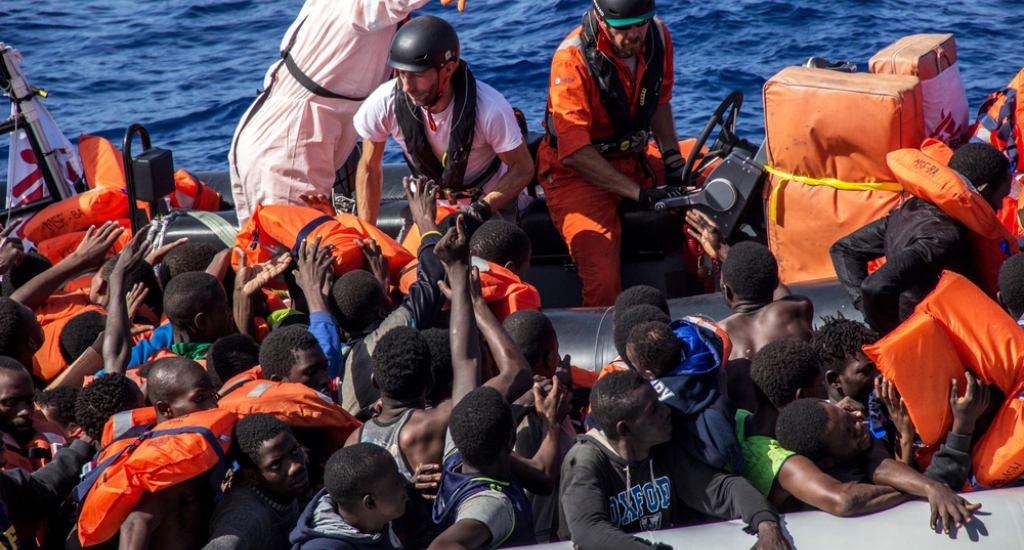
x,y
437,111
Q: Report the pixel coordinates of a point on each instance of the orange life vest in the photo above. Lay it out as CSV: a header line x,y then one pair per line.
x,y
39,451
979,335
170,453
122,422
583,378
928,178
398,257
192,194
101,161
58,248
76,213
48,363
236,381
502,290
274,226
294,404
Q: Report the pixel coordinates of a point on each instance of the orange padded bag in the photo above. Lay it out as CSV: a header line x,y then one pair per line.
x,y
931,180
919,359
834,128
273,227
294,404
170,453
101,161
77,213
398,257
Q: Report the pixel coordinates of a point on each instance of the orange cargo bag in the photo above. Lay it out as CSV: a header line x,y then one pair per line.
x,y
77,213
172,452
398,257
827,135
273,227
294,404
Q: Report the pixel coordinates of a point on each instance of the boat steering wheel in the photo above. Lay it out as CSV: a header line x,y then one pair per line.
x,y
723,143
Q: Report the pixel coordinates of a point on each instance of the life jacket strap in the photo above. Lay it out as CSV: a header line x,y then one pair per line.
x,y
305,231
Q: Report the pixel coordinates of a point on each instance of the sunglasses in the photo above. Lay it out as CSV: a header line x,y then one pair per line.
x,y
639,25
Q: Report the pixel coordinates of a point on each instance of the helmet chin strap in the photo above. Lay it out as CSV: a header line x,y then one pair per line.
x,y
440,93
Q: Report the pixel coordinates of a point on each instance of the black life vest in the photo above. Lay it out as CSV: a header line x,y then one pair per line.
x,y
631,134
450,171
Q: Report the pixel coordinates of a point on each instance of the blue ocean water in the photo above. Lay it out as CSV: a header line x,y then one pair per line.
x,y
188,69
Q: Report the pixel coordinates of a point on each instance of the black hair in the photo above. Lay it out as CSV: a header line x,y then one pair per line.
x,y
104,397
164,380
32,265
191,256
838,339
613,399
439,341
482,426
639,295
280,349
14,334
294,319
356,297
782,367
533,332
61,401
79,333
800,426
632,318
190,294
751,271
251,432
9,363
354,471
470,223
401,363
231,355
1011,285
500,242
655,348
980,163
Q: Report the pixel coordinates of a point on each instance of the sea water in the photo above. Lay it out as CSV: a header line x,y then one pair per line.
x,y
188,69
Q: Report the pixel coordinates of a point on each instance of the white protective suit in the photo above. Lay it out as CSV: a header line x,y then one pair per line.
x,y
295,141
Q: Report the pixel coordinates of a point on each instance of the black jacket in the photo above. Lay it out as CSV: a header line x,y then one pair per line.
x,y
919,241
29,498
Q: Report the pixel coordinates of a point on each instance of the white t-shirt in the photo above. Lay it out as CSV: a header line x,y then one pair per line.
x,y
496,128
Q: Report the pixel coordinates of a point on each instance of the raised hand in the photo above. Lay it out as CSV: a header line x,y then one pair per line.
x,y
97,242
157,255
130,258
453,248
554,404
135,298
970,407
376,261
315,272
705,231
422,205
12,249
319,202
250,279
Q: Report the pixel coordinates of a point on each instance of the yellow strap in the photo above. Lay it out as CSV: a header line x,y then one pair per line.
x,y
828,182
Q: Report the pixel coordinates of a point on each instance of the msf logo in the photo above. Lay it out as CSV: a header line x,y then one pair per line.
x,y
641,502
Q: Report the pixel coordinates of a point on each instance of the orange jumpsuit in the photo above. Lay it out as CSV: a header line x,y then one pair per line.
x,y
585,214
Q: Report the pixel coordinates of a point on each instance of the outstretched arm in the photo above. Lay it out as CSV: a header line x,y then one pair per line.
x,y
803,479
539,473
514,374
117,339
453,251
89,255
424,299
315,276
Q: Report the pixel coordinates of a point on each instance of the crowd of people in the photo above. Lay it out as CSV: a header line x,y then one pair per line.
x,y
305,392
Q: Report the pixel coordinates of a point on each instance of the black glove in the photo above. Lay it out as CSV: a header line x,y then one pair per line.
x,y
649,197
479,209
674,164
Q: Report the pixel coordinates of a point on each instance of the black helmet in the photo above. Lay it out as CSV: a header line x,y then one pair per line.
x,y
620,13
424,42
